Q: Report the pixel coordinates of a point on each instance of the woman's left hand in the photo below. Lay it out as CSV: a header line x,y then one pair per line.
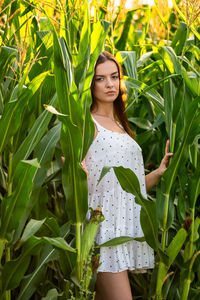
x,y
165,161
155,176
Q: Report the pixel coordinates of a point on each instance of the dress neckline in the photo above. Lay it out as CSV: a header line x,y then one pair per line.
x,y
108,129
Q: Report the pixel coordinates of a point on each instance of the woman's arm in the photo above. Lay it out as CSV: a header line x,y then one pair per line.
x,y
155,176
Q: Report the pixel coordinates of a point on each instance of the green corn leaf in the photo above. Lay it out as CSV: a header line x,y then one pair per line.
x,y
58,242
121,43
34,136
129,61
194,188
63,77
84,47
1,103
129,182
190,65
141,123
14,206
118,241
178,101
190,131
44,153
10,121
144,58
196,229
179,38
13,271
73,177
191,81
171,60
176,245
31,228
7,56
52,295
169,96
30,283
155,97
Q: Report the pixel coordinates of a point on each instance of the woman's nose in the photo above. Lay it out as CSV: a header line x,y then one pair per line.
x,y
109,82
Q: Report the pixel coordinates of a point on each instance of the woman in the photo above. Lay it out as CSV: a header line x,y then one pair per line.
x,y
113,145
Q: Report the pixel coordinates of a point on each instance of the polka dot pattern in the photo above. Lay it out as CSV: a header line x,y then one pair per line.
x,y
122,214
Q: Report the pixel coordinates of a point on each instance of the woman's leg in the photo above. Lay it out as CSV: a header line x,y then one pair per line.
x,y
113,286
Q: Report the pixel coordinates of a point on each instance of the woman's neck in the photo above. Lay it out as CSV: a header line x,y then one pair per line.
x,y
104,111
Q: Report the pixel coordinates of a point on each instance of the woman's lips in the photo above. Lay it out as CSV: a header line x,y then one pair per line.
x,y
110,93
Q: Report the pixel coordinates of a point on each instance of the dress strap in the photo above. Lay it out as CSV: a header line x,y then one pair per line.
x,y
99,127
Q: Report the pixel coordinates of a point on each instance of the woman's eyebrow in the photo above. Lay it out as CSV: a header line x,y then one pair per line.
x,y
110,74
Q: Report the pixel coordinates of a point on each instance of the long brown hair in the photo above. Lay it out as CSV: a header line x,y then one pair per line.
x,y
119,103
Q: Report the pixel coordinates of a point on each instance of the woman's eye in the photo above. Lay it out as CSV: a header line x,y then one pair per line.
x,y
99,79
115,77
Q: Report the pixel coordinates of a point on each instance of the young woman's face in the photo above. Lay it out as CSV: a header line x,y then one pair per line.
x,y
106,82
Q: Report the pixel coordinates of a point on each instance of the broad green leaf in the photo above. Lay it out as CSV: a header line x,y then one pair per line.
x,y
88,126
144,58
66,62
61,76
117,241
170,59
34,136
176,245
178,41
30,283
155,97
7,56
58,242
141,123
196,229
194,188
73,177
10,121
84,47
191,82
190,131
14,206
191,66
129,182
52,295
129,61
46,37
13,271
169,96
44,153
178,101
50,228
31,228
121,43
1,103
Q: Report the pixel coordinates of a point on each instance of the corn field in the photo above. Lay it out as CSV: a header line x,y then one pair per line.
x,y
47,56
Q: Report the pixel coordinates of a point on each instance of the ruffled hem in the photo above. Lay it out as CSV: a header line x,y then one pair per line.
x,y
131,256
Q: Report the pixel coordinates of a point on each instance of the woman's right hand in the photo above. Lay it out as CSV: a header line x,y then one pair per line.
x,y
83,164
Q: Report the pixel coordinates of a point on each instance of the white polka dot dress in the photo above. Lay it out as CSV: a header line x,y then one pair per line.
x,y
122,214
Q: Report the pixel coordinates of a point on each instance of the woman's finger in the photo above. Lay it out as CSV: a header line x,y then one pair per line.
x,y
167,147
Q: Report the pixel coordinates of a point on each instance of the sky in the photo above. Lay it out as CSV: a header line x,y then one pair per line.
x,y
150,2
